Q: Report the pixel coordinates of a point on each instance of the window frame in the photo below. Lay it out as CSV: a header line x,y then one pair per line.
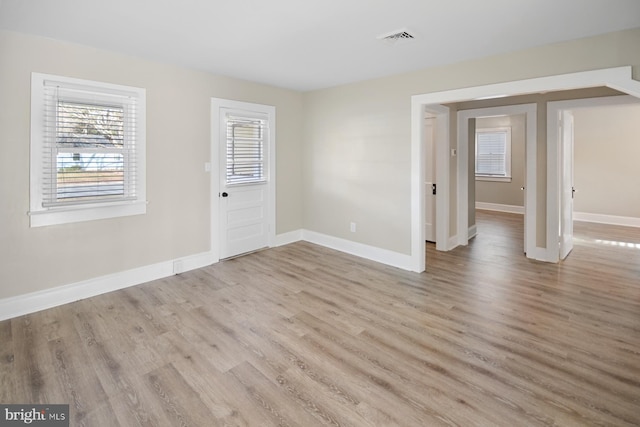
x,y
42,213
507,166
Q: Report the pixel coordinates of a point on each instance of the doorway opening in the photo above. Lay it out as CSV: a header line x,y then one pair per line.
x,y
450,206
499,150
517,188
601,159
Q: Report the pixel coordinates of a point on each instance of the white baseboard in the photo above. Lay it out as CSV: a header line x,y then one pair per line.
x,y
607,219
41,300
473,231
542,254
36,301
453,242
290,237
373,253
500,208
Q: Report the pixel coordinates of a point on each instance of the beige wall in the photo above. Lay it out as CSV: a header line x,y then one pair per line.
x,y
358,136
606,158
504,193
177,222
343,153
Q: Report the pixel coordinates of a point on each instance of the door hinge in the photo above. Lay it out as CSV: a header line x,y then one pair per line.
x,y
433,189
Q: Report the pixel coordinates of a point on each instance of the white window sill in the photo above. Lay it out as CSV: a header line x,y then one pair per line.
x,y
493,178
86,213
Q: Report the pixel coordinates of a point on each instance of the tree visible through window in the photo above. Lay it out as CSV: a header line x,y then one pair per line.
x,y
89,149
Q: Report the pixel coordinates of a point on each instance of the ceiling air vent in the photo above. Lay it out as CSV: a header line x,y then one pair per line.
x,y
402,35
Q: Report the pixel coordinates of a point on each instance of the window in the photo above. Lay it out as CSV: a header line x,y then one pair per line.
x,y
493,154
246,138
87,150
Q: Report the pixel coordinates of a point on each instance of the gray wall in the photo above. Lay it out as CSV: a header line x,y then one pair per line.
x,y
606,158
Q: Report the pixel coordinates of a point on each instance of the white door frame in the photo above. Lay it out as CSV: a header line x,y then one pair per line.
x,y
553,155
531,142
565,184
619,78
214,163
441,137
430,163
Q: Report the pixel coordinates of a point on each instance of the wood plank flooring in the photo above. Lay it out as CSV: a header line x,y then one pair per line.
x,y
302,336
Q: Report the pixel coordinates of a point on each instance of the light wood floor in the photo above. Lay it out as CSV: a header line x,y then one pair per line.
x,y
302,336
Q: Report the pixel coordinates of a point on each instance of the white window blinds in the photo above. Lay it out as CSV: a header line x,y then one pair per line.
x,y
493,157
246,142
89,145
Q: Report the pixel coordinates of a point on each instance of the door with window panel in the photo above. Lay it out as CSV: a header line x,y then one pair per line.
x,y
243,182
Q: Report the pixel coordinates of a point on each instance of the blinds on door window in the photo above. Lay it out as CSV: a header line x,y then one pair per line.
x,y
246,142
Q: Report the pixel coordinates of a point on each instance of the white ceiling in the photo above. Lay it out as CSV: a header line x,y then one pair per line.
x,y
313,44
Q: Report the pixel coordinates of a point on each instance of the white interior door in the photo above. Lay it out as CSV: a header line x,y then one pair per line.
x,y
430,178
566,183
244,181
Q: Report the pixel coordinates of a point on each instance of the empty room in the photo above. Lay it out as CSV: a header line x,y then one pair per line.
x,y
263,213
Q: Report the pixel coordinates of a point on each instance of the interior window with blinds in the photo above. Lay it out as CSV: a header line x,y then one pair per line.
x,y
246,142
87,145
493,153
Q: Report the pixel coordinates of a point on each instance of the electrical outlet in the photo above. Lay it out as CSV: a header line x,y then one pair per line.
x,y
353,227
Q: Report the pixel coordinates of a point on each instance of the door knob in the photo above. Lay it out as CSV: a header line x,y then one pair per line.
x,y
225,194
522,188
